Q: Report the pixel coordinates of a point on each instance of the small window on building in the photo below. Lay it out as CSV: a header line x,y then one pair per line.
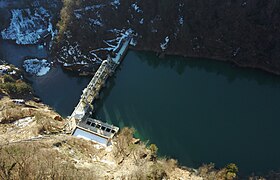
x,y
93,124
103,128
88,123
108,130
98,126
113,131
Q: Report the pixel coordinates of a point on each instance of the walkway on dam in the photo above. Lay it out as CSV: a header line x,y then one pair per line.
x,y
81,112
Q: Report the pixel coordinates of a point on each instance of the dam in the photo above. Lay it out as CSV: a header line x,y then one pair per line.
x,y
80,124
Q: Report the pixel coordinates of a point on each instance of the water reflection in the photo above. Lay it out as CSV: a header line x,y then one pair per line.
x,y
228,70
59,89
197,111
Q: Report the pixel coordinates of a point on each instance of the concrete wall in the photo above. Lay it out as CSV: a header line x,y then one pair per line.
x,y
89,136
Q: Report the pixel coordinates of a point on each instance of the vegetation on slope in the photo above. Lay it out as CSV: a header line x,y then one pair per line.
x,y
12,84
244,32
66,157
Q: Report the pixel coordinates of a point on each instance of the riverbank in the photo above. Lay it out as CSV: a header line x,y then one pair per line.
x,y
162,55
32,137
184,31
105,21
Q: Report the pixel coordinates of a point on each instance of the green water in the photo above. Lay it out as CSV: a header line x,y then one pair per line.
x,y
198,111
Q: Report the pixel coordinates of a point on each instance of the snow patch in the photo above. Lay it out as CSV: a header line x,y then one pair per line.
x,y
36,67
133,42
116,3
164,45
181,20
95,22
77,15
115,44
136,8
236,51
73,51
27,27
89,8
6,69
24,122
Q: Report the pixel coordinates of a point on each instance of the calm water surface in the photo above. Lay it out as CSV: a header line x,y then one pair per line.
x,y
198,111
58,89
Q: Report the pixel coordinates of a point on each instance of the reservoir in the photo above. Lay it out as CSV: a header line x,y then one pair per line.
x,y
59,89
195,110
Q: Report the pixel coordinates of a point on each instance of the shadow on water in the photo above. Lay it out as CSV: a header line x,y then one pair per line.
x,y
228,70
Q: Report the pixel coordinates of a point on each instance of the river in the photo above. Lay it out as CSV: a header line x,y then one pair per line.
x,y
195,110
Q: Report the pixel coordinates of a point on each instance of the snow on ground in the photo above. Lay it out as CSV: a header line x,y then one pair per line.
x,y
133,42
95,22
136,8
28,26
24,122
73,51
114,44
6,69
164,45
116,3
95,18
36,67
181,20
89,8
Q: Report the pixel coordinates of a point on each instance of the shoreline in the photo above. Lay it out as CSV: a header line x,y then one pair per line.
x,y
246,66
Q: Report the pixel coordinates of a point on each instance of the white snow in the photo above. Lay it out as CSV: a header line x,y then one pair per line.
x,y
116,3
122,36
89,8
95,22
6,69
181,20
73,51
236,51
27,27
36,67
164,45
133,42
24,122
136,8
77,15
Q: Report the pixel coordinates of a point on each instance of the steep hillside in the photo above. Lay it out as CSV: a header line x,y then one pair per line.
x,y
245,32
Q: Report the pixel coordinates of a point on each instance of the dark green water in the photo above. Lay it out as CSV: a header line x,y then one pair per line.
x,y
198,111
59,89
